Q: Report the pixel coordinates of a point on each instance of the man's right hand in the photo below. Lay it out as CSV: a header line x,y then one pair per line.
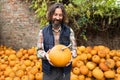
x,y
47,57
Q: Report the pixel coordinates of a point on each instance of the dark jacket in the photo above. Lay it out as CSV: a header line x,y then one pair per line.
x,y
48,41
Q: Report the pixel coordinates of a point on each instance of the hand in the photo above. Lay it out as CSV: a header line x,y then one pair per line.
x,y
47,56
74,53
69,62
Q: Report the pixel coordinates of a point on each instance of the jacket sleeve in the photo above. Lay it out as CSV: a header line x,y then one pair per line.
x,y
40,49
73,42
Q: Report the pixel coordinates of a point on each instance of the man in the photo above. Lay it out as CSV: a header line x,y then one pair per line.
x,y
56,32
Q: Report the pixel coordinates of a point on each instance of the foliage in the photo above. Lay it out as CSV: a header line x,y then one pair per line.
x,y
98,14
83,14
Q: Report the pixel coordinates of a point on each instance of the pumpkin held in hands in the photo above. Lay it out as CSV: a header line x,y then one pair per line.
x,y
60,55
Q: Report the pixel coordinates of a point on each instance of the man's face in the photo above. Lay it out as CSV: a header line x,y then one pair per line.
x,y
57,17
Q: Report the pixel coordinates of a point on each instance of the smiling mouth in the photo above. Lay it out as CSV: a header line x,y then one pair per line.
x,y
57,21
56,24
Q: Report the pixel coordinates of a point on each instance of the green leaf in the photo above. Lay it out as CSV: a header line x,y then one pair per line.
x,y
110,20
88,13
99,12
78,2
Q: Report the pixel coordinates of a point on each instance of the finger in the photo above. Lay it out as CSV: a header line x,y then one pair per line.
x,y
48,51
68,64
47,56
51,63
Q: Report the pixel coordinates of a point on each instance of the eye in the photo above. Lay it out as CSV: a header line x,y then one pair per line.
x,y
60,15
54,14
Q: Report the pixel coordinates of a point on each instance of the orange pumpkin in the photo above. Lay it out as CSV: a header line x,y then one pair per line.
x,y
7,71
110,63
88,78
12,57
74,61
19,54
112,53
60,57
7,52
116,58
2,77
93,52
74,77
96,58
117,63
34,70
16,78
83,57
79,63
39,76
118,53
3,66
27,62
33,57
12,63
89,56
117,77
31,51
109,74
24,77
84,70
31,76
97,73
102,53
12,75
118,70
81,77
76,70
89,73
88,49
81,48
91,65
8,78
2,52
78,51
19,73
103,66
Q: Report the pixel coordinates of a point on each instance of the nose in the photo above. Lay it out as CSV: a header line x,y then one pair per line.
x,y
57,17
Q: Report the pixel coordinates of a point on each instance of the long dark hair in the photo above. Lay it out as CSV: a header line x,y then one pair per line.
x,y
51,11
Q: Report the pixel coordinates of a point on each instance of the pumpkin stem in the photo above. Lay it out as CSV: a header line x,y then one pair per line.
x,y
66,47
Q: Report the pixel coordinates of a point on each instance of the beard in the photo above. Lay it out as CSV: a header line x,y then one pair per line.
x,y
56,23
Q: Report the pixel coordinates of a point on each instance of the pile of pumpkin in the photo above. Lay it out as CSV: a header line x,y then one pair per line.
x,y
92,63
96,63
19,65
